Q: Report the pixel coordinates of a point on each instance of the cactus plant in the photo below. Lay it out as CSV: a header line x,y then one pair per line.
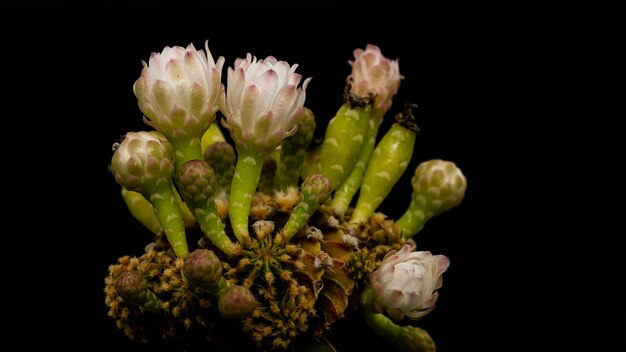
x,y
275,251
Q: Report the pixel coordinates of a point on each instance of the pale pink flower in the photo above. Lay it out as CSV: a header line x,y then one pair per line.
x,y
143,161
178,91
374,73
262,102
405,283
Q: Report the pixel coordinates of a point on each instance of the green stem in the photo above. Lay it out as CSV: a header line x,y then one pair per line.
x,y
218,289
297,219
245,181
186,149
168,213
412,221
389,160
346,191
315,190
401,338
343,141
213,228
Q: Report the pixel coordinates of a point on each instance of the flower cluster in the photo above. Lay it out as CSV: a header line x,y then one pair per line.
x,y
265,238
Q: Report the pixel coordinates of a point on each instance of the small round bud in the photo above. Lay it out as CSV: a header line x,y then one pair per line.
x,y
236,303
203,268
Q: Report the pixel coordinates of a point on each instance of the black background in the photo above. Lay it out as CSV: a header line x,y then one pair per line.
x,y
73,67
83,61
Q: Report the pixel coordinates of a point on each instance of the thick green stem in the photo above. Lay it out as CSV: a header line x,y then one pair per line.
x,y
401,338
168,213
346,191
245,181
343,141
389,160
186,149
412,221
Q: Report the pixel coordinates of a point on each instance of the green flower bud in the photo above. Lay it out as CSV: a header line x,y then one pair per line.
x,y
132,288
438,186
236,303
197,184
203,268
315,190
143,161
